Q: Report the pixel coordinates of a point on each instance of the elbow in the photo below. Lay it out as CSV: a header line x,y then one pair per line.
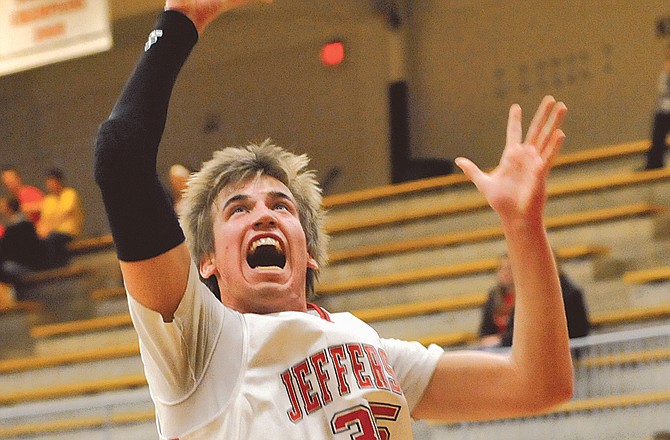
x,y
562,391
106,152
555,391
117,152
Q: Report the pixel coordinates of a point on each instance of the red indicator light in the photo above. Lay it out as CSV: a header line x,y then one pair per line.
x,y
332,54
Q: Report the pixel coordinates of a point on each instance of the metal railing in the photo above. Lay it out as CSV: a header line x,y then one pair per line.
x,y
622,391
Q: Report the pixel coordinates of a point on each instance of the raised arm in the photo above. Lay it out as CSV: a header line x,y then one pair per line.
x,y
537,372
149,242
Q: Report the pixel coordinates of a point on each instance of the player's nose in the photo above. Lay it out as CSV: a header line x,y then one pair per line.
x,y
265,218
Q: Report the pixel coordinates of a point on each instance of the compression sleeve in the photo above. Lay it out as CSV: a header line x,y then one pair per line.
x,y
141,217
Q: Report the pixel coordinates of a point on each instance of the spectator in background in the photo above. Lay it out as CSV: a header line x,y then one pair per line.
x,y
661,126
61,219
29,197
497,325
662,435
178,175
499,307
21,250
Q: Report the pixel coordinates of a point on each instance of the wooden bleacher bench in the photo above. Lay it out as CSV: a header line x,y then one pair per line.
x,y
632,315
478,203
601,403
611,402
653,355
593,404
24,306
378,193
61,273
647,275
81,326
493,232
63,291
16,365
401,216
396,311
77,423
91,244
16,318
108,293
439,272
450,339
74,389
477,300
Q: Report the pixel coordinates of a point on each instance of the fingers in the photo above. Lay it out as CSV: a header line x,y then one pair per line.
x,y
552,124
544,130
471,171
539,120
553,147
514,125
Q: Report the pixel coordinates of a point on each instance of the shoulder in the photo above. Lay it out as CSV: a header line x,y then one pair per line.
x,y
70,193
30,193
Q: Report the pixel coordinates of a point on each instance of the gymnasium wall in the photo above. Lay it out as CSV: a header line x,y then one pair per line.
x,y
471,59
256,74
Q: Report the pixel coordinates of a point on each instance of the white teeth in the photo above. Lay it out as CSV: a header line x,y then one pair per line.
x,y
266,241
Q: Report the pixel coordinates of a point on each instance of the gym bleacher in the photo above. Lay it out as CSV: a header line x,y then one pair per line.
x,y
415,260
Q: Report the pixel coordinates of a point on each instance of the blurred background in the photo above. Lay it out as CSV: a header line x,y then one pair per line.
x,y
420,82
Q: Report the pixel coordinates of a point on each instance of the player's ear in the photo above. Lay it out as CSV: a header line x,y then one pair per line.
x,y
311,263
207,266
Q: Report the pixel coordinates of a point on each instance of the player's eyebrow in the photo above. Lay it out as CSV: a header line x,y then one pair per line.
x,y
244,197
280,195
233,199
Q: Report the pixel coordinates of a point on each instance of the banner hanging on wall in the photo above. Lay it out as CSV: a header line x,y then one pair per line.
x,y
35,33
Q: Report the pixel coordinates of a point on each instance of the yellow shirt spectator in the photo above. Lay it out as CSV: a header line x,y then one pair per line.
x,y
62,213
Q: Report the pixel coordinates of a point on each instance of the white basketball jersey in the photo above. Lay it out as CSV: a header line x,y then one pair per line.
x,y
214,373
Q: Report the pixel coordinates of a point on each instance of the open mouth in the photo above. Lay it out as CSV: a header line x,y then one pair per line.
x,y
266,253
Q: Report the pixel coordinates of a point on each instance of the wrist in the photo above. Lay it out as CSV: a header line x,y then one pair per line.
x,y
186,10
523,227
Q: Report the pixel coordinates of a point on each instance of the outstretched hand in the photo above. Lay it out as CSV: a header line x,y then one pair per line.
x,y
516,188
203,12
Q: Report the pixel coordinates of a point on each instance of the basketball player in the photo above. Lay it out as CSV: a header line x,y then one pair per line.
x,y
261,362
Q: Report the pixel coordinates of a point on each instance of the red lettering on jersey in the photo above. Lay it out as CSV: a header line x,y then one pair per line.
x,y
310,398
318,360
384,412
337,355
294,413
390,374
358,367
377,367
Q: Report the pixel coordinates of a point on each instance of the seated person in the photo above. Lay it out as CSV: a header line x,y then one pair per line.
x,y
497,325
21,250
29,197
61,218
499,307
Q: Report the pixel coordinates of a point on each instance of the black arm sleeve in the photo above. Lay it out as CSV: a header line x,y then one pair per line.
x,y
141,217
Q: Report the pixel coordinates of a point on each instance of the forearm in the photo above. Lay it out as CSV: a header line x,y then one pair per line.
x,y
146,95
540,350
140,214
